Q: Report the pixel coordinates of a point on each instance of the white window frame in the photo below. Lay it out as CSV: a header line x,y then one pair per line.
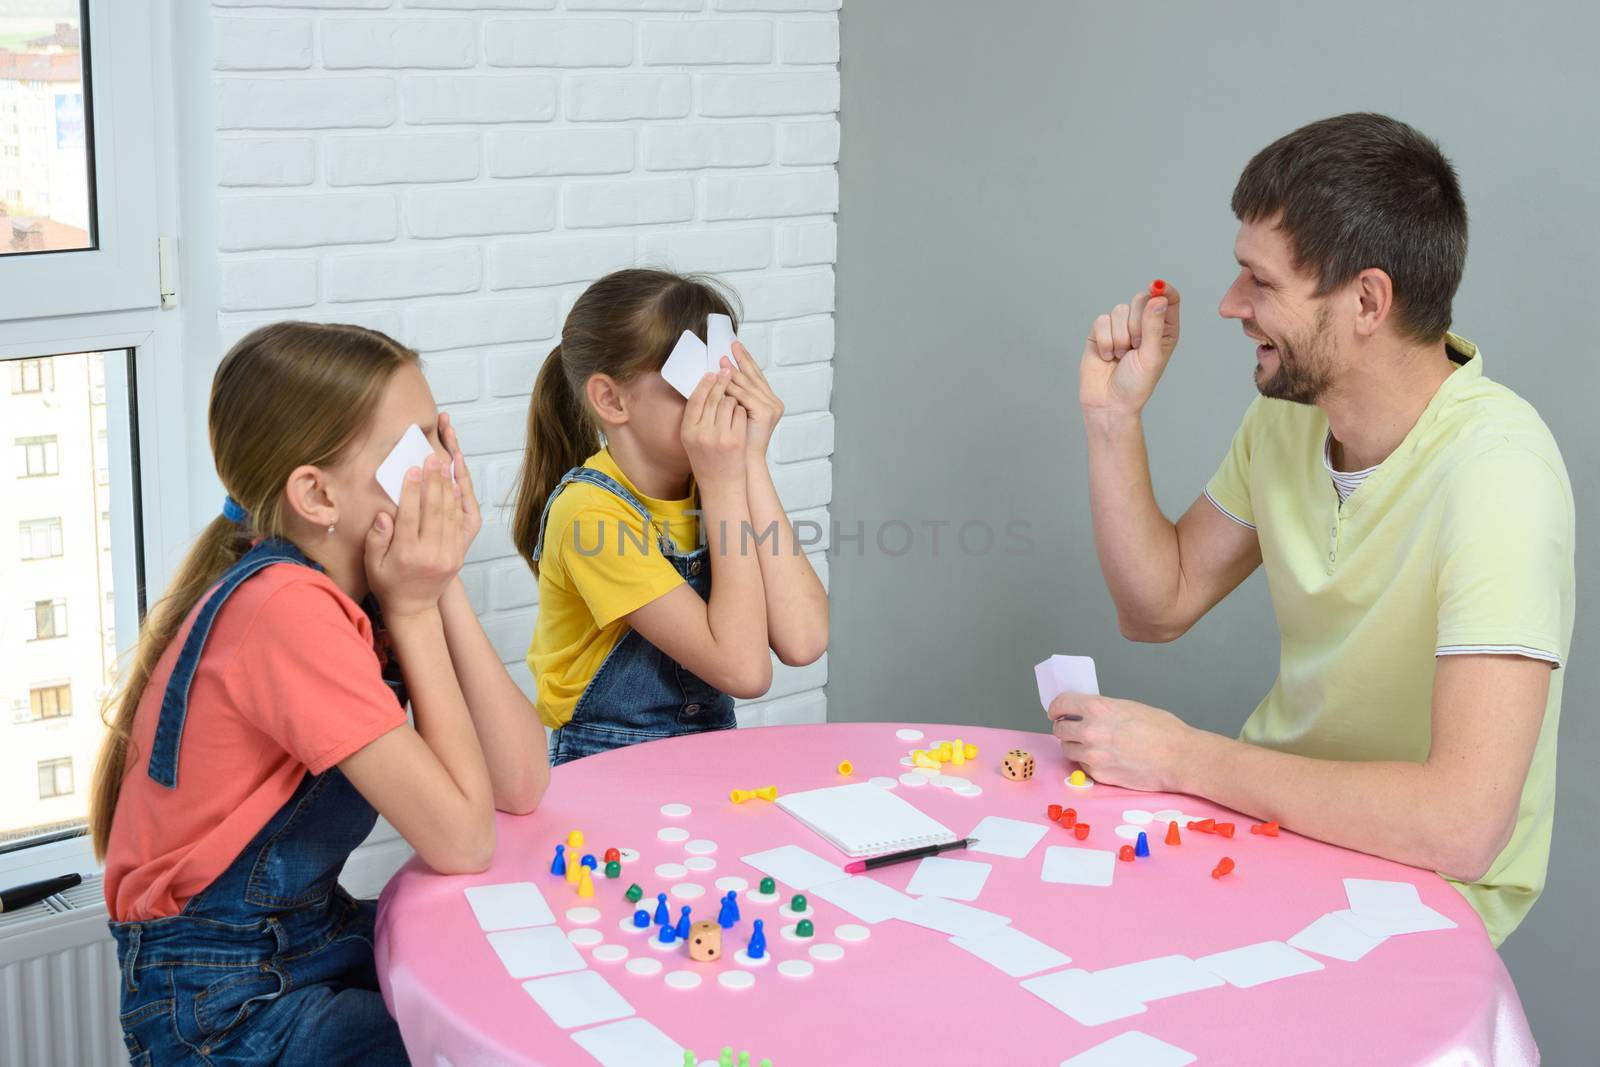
x,y
121,272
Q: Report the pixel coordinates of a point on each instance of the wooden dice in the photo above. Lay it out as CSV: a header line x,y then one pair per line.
x,y
705,941
1018,765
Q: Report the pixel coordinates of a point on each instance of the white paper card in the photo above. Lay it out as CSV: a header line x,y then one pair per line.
x,y
999,836
687,364
536,952
949,917
508,906
797,868
1132,1049
1387,926
1077,994
579,999
1335,936
1078,866
631,1043
411,451
951,879
1383,908
1065,674
719,342
1012,951
866,898
1255,964
1156,979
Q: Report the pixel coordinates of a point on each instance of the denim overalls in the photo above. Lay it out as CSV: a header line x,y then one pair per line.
x,y
272,962
639,693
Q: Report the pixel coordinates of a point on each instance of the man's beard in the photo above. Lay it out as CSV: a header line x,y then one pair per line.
x,y
1304,366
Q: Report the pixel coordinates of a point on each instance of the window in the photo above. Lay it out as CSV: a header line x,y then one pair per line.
x,y
32,376
55,778
49,619
37,457
41,538
51,701
42,76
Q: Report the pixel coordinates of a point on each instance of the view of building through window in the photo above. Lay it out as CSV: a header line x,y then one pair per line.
x,y
46,189
57,634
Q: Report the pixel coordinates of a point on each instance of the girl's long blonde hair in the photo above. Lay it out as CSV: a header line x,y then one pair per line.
x,y
288,394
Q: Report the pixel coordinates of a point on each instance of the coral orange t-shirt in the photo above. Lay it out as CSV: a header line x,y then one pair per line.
x,y
289,682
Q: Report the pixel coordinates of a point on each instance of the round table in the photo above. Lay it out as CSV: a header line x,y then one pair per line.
x,y
906,995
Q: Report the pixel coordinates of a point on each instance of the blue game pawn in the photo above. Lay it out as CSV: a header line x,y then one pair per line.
x,y
758,942
733,905
663,916
725,918
559,864
1142,847
667,935
641,919
683,924
590,862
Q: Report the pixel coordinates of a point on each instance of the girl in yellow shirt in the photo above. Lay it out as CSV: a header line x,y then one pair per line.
x,y
666,565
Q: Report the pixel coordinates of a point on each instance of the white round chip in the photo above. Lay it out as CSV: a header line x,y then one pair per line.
x,y
926,772
756,896
1170,815
852,932
796,969
826,951
610,953
672,833
909,734
700,847
657,944
790,933
583,915
628,855
733,882
585,936
882,782
626,926
643,965
949,781
675,811
700,863
736,979
1129,831
670,871
1137,817
907,761
688,891
742,958
971,789
1088,783
682,980
805,913
913,779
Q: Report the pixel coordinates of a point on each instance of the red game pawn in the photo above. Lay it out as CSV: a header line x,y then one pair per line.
x,y
1224,866
1053,812
1125,853
613,856
1225,829
1080,831
1204,826
1265,829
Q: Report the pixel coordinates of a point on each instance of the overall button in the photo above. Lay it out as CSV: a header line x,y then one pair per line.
x,y
692,709
694,568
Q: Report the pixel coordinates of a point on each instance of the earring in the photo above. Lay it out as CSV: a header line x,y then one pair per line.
x,y
330,529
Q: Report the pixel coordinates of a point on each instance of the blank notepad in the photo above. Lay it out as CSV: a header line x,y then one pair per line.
x,y
864,820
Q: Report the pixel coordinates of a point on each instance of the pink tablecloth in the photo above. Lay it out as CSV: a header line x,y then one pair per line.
x,y
906,995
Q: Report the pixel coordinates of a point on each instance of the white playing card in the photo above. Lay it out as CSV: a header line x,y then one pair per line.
x,y
1132,1049
949,917
1065,674
951,879
631,1043
1156,979
412,449
1012,951
1254,964
999,836
719,342
867,899
1336,936
796,867
1078,866
536,952
505,907
687,364
1077,994
579,999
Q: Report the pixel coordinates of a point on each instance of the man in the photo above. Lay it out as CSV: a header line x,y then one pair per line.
x,y
1414,518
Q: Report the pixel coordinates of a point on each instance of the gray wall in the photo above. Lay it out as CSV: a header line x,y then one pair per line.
x,y
1009,170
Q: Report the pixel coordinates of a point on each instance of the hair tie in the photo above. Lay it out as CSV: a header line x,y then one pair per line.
x,y
232,511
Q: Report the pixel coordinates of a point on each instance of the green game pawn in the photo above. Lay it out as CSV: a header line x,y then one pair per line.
x,y
798,903
613,869
804,928
690,1059
726,1059
744,1059
634,893
768,886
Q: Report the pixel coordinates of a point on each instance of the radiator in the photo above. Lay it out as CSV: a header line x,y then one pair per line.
x,y
58,984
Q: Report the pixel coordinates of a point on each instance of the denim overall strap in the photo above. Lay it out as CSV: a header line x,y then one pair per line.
x,y
163,766
611,485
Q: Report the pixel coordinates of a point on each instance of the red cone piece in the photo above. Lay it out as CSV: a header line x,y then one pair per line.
x,y
1265,829
1172,833
1225,829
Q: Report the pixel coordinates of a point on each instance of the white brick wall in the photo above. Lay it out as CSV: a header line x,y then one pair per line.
x,y
454,172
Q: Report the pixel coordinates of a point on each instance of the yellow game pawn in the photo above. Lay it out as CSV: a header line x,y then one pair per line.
x,y
958,752
1079,780
575,869
972,751
585,883
574,840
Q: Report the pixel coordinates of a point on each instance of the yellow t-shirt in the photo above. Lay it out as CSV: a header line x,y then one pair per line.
x,y
592,573
1460,542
